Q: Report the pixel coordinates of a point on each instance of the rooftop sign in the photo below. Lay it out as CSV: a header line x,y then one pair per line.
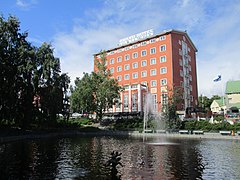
x,y
136,37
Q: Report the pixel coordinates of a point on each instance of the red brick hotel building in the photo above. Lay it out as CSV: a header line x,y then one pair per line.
x,y
155,63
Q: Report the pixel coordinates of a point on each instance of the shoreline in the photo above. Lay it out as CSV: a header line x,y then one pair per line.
x,y
69,133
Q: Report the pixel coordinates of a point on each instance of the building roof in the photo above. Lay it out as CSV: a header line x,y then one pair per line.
x,y
237,105
154,36
233,87
220,102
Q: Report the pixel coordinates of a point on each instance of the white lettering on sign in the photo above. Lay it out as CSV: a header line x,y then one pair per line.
x,y
136,37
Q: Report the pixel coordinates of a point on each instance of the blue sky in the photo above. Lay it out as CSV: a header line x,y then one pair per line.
x,y
79,28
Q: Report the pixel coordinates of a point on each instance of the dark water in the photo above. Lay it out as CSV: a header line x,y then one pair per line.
x,y
84,158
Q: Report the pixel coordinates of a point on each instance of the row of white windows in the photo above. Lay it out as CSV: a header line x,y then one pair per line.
x,y
135,64
153,72
135,54
161,38
153,83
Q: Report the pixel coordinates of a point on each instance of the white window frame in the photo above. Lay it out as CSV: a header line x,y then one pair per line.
x,y
151,72
135,75
119,59
126,77
162,71
161,38
143,62
112,70
135,55
161,60
164,48
155,61
144,74
134,65
144,54
126,67
153,50
119,78
111,61
127,57
119,68
163,82
153,83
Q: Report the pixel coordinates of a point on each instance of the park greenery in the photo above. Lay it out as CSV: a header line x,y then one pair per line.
x,y
33,90
95,92
32,87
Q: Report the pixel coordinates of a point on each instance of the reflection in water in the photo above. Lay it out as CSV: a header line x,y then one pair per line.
x,y
84,158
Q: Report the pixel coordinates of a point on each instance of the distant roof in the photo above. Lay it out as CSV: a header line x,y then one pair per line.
x,y
237,105
220,101
233,87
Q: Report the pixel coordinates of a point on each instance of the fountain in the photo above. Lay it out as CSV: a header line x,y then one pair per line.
x,y
150,114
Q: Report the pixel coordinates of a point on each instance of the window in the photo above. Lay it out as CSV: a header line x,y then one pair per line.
x,y
163,70
126,77
154,98
144,83
190,68
135,46
163,82
112,70
127,57
164,98
126,48
144,53
135,55
135,75
119,68
119,59
163,59
190,77
181,73
143,43
190,87
112,52
180,52
153,72
180,62
119,78
144,73
153,83
143,63
162,48
153,61
112,61
135,65
126,67
153,50
161,38
125,100
152,40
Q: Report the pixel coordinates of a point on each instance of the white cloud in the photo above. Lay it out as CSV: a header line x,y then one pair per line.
x,y
25,4
213,26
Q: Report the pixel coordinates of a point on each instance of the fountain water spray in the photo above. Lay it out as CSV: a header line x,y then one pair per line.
x,y
151,114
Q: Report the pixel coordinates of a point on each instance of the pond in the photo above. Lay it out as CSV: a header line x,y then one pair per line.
x,y
142,158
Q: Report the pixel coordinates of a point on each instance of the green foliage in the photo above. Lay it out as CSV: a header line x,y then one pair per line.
x,y
205,102
27,72
206,126
95,92
129,124
169,109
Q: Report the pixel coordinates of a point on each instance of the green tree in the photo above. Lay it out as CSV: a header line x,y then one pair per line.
x,y
206,102
82,97
50,83
172,100
96,92
27,72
